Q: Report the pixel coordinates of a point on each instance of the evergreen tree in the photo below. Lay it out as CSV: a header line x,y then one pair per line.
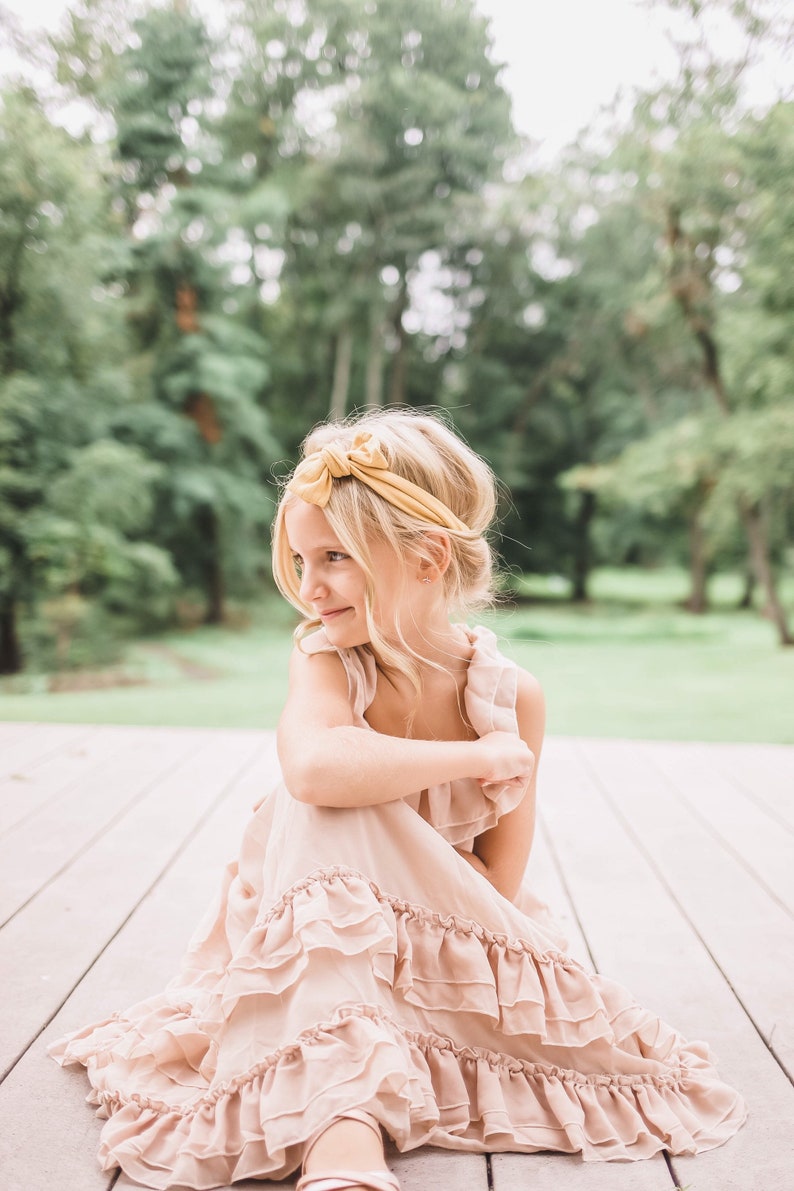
x,y
200,374
63,530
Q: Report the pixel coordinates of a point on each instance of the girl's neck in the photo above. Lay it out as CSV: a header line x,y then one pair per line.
x,y
434,646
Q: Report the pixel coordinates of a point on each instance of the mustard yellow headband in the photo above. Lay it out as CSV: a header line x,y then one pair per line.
x,y
365,461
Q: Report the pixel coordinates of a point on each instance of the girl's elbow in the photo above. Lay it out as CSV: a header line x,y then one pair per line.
x,y
309,773
310,785
299,793
302,785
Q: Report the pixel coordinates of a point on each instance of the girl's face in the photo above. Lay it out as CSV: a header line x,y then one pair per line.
x,y
333,583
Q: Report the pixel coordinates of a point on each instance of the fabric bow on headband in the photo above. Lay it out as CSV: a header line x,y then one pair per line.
x,y
365,461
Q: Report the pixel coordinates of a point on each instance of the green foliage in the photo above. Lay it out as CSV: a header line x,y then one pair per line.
x,y
199,373
161,75
72,502
710,187
369,130
321,206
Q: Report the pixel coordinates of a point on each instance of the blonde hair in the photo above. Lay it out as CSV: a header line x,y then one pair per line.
x,y
422,449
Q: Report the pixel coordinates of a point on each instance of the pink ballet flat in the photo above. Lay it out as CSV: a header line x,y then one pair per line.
x,y
343,1180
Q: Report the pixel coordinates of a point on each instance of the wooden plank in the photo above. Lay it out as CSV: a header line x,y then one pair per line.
x,y
29,750
432,1169
145,953
59,933
13,730
546,881
140,959
23,793
637,903
102,784
750,936
765,772
758,841
550,1172
48,1134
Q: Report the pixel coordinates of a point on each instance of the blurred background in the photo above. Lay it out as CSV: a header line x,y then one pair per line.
x,y
568,227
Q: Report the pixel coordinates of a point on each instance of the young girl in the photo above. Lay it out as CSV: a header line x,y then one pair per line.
x,y
374,962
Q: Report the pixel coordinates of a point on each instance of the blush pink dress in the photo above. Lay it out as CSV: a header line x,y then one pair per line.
x,y
354,959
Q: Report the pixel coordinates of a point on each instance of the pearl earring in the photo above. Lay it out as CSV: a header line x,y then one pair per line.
x,y
427,579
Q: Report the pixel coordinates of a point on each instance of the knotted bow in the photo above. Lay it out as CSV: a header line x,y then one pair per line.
x,y
365,461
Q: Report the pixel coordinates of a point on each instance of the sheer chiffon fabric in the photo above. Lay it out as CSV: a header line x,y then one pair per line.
x,y
353,960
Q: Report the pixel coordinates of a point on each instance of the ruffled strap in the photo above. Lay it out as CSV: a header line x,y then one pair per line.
x,y
491,686
462,810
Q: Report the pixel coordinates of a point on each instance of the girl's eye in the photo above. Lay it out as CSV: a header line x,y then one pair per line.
x,y
336,556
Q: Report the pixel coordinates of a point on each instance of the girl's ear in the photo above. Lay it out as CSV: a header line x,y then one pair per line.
x,y
438,553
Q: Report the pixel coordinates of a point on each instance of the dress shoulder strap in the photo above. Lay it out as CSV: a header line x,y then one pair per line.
x,y
461,810
359,667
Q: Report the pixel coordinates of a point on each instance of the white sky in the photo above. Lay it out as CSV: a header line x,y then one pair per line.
x,y
564,59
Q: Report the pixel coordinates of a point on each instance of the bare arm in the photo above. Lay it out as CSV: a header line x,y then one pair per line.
x,y
501,854
328,760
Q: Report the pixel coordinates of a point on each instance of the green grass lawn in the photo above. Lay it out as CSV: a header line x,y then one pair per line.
x,y
632,663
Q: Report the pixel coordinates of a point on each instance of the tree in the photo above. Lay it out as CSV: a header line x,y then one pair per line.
x,y
686,160
60,384
706,189
200,374
369,129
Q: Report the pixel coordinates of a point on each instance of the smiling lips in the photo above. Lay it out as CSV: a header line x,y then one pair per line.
x,y
332,612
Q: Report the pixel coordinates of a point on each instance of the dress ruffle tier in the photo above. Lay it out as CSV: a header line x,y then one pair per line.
x,y
354,959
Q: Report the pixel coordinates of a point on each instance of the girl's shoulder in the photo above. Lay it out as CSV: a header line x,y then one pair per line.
x,y
357,664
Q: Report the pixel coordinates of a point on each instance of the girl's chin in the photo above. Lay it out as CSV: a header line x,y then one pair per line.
x,y
344,632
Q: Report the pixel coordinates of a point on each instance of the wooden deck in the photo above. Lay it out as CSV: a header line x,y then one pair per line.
x,y
671,865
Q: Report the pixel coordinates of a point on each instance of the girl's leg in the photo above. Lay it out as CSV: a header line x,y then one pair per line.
x,y
348,1145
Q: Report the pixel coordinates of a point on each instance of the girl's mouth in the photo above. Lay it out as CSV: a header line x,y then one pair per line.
x,y
332,613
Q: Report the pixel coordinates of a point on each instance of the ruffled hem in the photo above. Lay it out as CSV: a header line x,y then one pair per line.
x,y
432,962
192,1128
423,1089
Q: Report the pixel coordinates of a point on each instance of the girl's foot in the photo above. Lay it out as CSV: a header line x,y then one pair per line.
x,y
349,1150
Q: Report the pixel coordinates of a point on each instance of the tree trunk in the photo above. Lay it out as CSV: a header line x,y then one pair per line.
x,y
746,600
373,389
186,308
698,567
10,649
753,521
582,554
397,379
214,587
10,301
342,362
201,409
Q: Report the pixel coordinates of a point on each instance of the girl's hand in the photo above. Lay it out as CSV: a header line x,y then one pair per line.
x,y
503,757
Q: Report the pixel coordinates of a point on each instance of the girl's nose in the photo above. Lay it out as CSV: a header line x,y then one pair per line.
x,y
312,587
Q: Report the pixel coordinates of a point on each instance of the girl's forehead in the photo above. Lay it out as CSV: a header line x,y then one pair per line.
x,y
305,522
